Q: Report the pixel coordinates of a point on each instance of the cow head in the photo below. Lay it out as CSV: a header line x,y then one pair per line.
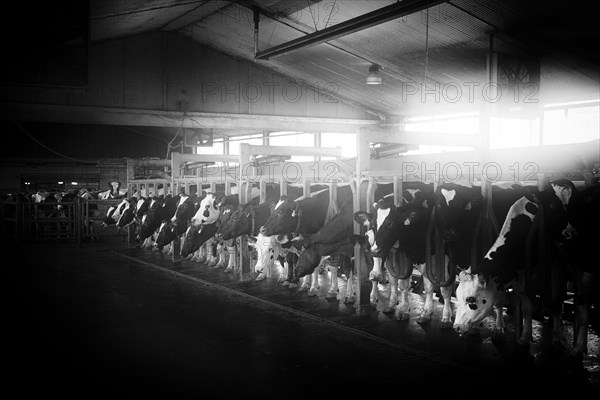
x,y
283,219
190,243
127,215
236,222
267,250
475,298
166,233
151,219
457,209
383,227
208,212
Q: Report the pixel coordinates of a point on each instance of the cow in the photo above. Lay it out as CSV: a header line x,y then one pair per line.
x,y
204,225
330,247
396,238
268,249
319,255
151,221
129,213
114,213
302,216
176,225
571,219
246,219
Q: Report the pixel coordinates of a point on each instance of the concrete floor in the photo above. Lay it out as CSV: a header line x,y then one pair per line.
x,y
109,319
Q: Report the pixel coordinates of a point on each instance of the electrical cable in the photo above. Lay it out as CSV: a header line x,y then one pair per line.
x,y
49,149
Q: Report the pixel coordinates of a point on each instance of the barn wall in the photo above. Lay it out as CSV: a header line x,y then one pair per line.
x,y
43,140
166,71
47,173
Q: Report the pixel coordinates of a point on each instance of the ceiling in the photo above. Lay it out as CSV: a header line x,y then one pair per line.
x,y
446,45
415,42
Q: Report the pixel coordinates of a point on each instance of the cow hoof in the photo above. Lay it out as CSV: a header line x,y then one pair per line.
x,y
260,277
423,320
330,295
285,283
446,325
302,288
292,285
280,280
228,270
388,310
312,293
219,265
403,316
349,300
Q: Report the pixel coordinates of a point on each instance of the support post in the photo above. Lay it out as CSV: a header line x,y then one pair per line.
x,y
398,198
363,163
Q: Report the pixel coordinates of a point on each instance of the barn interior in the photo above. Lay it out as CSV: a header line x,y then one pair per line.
x,y
95,92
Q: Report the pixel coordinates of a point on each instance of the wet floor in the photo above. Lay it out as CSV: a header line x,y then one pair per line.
x,y
108,320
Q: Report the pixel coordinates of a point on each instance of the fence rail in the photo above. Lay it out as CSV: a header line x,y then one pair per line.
x,y
77,221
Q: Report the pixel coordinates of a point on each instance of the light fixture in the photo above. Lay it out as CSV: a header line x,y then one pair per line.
x,y
373,78
198,138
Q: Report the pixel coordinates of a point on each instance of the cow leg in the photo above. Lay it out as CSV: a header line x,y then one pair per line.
x,y
282,269
307,282
232,263
290,279
427,312
350,292
211,258
393,284
499,309
447,308
526,311
402,312
375,276
201,253
584,282
314,283
333,287
221,257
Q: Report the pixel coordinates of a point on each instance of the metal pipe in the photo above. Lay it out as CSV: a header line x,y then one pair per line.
x,y
379,16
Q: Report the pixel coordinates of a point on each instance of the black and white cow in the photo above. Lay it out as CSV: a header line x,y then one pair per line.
x,y
571,220
150,222
302,216
175,226
246,219
330,247
396,238
203,227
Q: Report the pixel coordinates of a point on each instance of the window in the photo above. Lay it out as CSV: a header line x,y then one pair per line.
x,y
514,132
293,140
566,124
347,141
467,124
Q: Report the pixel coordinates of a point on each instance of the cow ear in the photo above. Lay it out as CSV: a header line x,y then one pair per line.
x,y
465,276
363,218
481,282
249,211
